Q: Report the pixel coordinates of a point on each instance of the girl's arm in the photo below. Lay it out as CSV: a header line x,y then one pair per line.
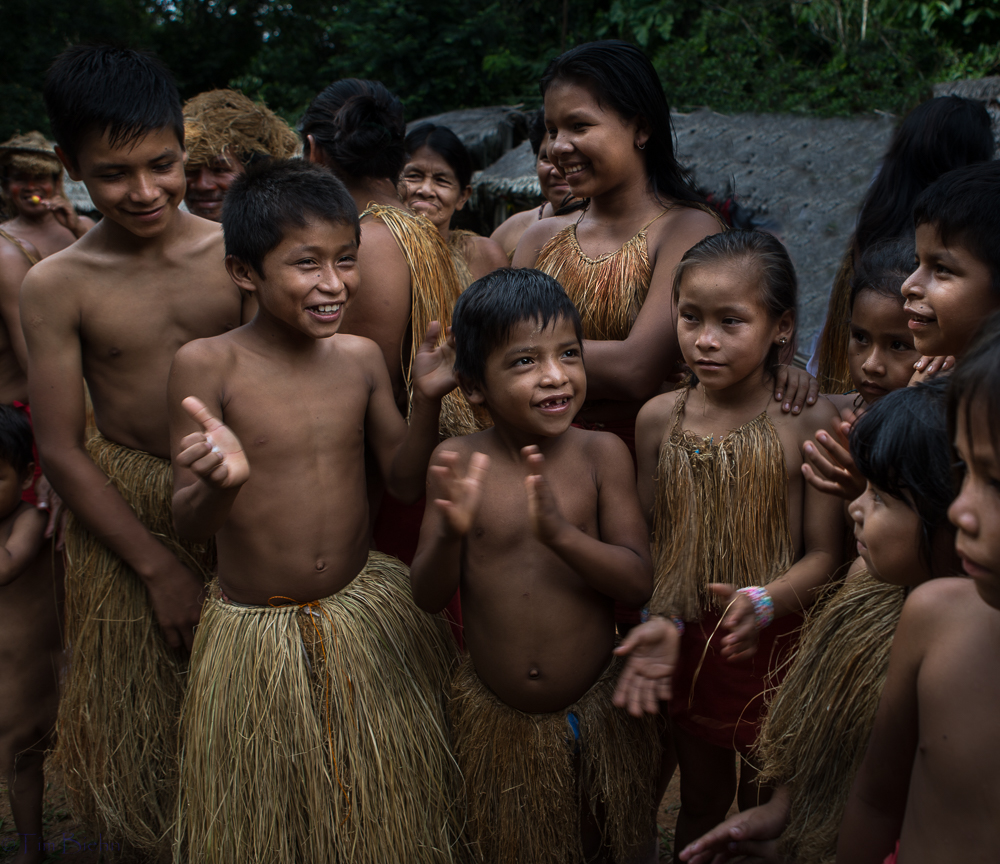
x,y
650,426
873,817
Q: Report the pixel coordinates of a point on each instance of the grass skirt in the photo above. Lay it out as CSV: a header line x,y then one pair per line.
x,y
819,722
121,697
525,792
315,733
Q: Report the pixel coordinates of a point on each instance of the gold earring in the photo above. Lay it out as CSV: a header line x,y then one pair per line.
x,y
782,340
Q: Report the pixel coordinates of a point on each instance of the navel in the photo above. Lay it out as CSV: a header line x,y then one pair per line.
x,y
321,564
533,673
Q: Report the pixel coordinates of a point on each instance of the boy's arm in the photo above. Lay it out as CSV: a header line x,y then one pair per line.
x,y
873,817
23,545
50,318
404,450
209,464
618,564
453,498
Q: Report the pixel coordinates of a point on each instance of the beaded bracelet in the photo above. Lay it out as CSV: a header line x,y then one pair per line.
x,y
644,616
763,606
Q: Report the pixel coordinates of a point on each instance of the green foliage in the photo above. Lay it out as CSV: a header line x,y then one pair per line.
x,y
817,56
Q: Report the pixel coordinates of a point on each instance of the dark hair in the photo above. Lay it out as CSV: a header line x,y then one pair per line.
x,y
622,76
964,207
901,445
976,379
123,93
937,136
883,269
16,440
537,132
359,126
761,252
488,309
446,144
274,194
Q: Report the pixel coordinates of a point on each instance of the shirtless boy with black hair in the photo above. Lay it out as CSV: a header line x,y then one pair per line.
x,y
113,309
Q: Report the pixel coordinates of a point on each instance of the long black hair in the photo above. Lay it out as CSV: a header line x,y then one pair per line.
x,y
359,127
622,77
937,136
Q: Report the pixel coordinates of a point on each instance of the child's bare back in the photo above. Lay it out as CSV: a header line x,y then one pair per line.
x,y
541,635
302,425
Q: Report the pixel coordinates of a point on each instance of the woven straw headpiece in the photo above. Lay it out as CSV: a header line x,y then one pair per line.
x,y
31,154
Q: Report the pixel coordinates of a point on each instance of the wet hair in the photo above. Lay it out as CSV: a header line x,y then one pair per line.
x,y
901,445
273,195
447,145
621,76
976,382
883,269
123,93
763,255
963,206
490,307
359,127
937,136
16,440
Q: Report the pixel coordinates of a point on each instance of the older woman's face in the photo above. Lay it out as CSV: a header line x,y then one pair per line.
x,y
28,191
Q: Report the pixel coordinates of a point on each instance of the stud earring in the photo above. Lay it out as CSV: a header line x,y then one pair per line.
x,y
782,340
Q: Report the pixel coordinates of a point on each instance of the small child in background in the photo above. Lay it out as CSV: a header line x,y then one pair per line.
x,y
539,523
30,636
928,779
720,481
880,355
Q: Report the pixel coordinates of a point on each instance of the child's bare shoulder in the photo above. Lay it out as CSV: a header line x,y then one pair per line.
x,y
213,353
656,413
356,348
597,448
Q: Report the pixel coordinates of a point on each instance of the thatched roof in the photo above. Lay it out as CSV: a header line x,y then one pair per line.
x,y
78,196
513,174
487,132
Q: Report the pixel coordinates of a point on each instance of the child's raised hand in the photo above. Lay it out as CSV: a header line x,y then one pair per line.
x,y
740,641
214,454
546,520
434,367
652,650
829,466
455,494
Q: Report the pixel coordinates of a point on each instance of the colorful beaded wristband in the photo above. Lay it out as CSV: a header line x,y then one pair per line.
x,y
763,606
644,616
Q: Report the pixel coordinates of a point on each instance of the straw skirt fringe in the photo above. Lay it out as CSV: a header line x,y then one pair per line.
x,y
526,794
316,733
818,725
120,701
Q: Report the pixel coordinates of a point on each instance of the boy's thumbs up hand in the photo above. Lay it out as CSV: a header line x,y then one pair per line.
x,y
214,454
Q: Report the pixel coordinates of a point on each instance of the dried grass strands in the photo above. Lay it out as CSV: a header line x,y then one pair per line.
x,y
316,733
523,794
458,246
607,291
834,370
721,514
434,288
816,731
117,726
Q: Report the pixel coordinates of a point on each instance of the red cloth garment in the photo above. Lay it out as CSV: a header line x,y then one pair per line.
x,y
726,706
29,493
891,858
396,532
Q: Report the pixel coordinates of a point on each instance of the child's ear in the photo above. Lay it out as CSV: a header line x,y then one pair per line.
x,y
641,132
29,477
71,169
785,328
240,273
473,392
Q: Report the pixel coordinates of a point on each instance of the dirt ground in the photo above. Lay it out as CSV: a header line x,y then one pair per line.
x,y
68,842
